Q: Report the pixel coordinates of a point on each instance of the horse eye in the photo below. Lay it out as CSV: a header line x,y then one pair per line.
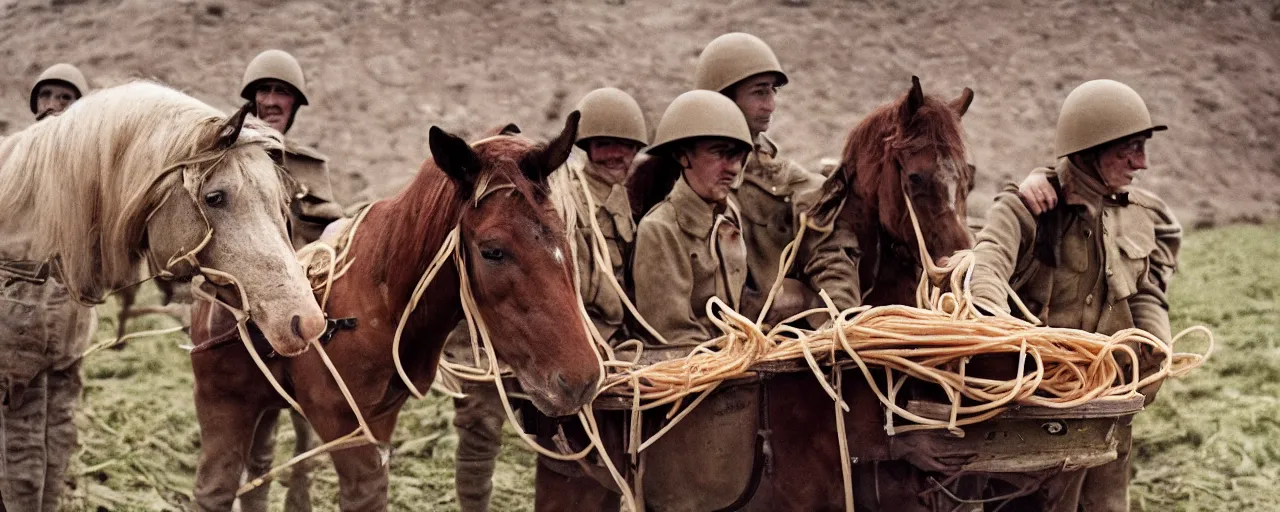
x,y
915,179
215,199
494,255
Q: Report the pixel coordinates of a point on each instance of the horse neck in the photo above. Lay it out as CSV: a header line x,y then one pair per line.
x,y
412,227
891,267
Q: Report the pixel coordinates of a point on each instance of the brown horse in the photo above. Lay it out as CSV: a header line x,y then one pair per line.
x,y
912,147
516,256
786,455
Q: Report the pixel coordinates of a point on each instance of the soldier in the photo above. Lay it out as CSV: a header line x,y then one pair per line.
x,y
612,130
56,89
690,246
1098,259
40,378
273,82
744,68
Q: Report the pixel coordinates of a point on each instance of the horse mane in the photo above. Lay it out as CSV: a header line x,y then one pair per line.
x,y
650,181
90,177
869,167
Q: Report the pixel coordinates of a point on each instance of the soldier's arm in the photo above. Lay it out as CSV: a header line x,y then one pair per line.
x,y
664,285
1002,243
831,263
1150,306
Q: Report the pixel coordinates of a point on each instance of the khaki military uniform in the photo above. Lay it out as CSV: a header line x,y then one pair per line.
x,y
1099,262
767,198
829,257
688,251
312,202
43,332
604,305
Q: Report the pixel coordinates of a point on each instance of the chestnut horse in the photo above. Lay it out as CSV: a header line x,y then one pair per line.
x,y
516,256
913,147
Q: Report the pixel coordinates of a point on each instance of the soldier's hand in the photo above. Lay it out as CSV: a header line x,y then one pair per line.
x,y
1037,193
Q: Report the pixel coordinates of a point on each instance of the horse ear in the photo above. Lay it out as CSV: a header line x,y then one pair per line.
x,y
455,157
915,99
540,164
960,105
229,132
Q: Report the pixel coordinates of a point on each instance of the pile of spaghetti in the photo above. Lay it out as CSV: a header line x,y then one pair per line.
x,y
932,343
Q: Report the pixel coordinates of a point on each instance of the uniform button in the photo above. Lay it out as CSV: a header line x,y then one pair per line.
x,y
1088,301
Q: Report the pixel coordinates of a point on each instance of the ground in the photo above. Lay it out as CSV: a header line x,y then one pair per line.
x,y
380,72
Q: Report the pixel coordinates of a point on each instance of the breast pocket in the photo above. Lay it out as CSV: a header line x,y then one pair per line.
x,y
1131,258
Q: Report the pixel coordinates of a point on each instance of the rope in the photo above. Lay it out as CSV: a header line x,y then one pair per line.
x,y
931,343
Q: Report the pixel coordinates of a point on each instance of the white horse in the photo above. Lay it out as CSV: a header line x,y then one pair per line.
x,y
144,170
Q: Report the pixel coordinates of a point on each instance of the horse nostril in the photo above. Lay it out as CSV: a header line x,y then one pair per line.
x,y
296,325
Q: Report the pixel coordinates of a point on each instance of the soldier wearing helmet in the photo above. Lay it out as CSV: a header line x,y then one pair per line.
x,y
689,247
745,69
610,133
273,82
56,89
1099,259
40,382
276,88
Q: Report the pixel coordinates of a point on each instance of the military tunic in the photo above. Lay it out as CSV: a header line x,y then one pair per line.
x,y
312,203
604,305
767,198
687,251
1099,262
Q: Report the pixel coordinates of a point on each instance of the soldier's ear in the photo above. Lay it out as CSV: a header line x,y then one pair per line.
x,y
455,157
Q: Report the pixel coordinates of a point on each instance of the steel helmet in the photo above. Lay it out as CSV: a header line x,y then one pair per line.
x,y
63,74
1100,111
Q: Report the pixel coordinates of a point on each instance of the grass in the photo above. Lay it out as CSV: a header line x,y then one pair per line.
x,y
1210,442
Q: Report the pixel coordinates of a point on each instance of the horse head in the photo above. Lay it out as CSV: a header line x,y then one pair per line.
x,y
227,211
910,148
518,264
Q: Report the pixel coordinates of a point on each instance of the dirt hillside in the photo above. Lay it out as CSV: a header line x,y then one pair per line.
x,y
382,71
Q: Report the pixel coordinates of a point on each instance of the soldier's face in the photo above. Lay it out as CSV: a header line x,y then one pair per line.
x,y
275,102
613,156
53,99
755,97
712,165
1119,162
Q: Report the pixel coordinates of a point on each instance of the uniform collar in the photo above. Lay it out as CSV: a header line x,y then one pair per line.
x,y
613,198
599,187
1083,188
766,146
695,215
